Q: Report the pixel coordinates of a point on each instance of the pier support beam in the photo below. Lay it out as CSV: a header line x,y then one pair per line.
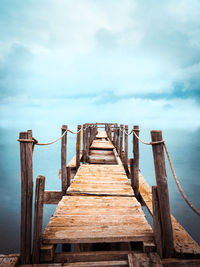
x,y
78,146
163,195
136,160
64,160
126,149
38,217
26,151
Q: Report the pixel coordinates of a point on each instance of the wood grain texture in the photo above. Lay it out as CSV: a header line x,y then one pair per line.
x,y
64,159
184,244
38,217
163,195
26,151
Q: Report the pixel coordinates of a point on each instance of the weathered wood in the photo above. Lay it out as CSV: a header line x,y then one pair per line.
x,y
38,217
115,135
181,262
131,172
26,196
163,195
87,142
130,260
84,144
91,256
157,228
52,197
47,253
64,159
136,160
118,140
72,163
97,219
121,139
68,177
184,244
78,146
126,149
149,246
11,260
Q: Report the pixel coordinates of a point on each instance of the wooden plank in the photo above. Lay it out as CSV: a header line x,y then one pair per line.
x,y
101,144
101,134
98,264
91,256
172,262
11,260
52,197
184,244
97,219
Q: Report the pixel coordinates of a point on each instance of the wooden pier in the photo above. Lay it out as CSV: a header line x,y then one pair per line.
x,y
99,220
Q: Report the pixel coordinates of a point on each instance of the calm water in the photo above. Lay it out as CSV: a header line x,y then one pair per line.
x,y
184,148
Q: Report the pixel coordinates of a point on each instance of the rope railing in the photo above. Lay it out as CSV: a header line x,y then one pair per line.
x,y
172,169
35,141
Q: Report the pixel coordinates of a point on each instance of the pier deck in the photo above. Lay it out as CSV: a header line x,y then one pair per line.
x,y
99,220
99,206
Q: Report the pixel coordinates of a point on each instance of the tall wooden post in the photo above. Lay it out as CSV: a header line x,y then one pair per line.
x,y
64,159
38,217
126,148
87,142
78,146
115,134
157,228
118,140
121,139
26,195
84,143
136,160
163,195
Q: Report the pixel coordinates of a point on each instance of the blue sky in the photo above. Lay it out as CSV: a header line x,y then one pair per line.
x,y
75,61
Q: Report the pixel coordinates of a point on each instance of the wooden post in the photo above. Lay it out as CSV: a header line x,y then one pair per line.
x,y
64,160
26,196
84,143
78,146
131,172
68,176
157,229
114,135
118,140
163,195
126,148
121,139
136,160
38,217
87,143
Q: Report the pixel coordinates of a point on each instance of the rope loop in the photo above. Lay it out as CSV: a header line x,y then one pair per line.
x,y
172,170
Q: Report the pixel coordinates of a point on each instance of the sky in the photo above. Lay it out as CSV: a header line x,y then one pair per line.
x,y
76,61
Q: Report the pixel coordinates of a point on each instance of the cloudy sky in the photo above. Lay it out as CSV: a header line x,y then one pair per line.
x,y
74,61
